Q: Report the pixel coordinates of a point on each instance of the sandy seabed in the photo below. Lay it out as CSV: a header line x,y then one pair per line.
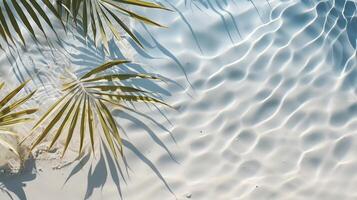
x,y
266,98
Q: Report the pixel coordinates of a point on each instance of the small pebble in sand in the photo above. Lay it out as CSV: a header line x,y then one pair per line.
x,y
188,195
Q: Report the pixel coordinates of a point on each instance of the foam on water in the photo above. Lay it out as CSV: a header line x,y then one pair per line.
x,y
266,100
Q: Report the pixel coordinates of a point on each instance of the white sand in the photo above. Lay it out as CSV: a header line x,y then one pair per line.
x,y
270,112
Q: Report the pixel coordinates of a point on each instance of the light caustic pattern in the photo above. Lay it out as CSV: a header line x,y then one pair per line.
x,y
273,115
267,104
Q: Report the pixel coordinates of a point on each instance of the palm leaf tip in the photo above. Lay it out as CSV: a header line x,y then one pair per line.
x,y
101,16
88,100
11,116
23,14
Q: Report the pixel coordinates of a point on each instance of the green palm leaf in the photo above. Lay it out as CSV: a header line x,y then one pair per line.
x,y
9,116
26,12
95,14
86,101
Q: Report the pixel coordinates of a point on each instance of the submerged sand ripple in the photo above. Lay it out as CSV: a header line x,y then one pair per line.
x,y
273,116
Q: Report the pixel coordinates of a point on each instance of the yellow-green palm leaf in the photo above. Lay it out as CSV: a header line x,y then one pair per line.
x,y
95,14
28,13
11,116
85,101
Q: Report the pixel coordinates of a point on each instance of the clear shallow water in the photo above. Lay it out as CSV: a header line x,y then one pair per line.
x,y
266,98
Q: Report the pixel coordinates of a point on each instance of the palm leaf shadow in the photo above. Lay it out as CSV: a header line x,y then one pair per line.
x,y
86,54
131,147
90,57
14,184
188,25
217,7
142,125
24,70
106,165
208,5
169,54
11,116
15,14
100,17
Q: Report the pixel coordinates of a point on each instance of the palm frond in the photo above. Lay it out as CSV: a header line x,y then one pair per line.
x,y
15,13
9,117
95,14
86,101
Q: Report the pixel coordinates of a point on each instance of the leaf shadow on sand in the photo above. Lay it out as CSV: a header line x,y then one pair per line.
x,y
106,167
13,184
21,68
16,52
217,7
89,56
228,18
